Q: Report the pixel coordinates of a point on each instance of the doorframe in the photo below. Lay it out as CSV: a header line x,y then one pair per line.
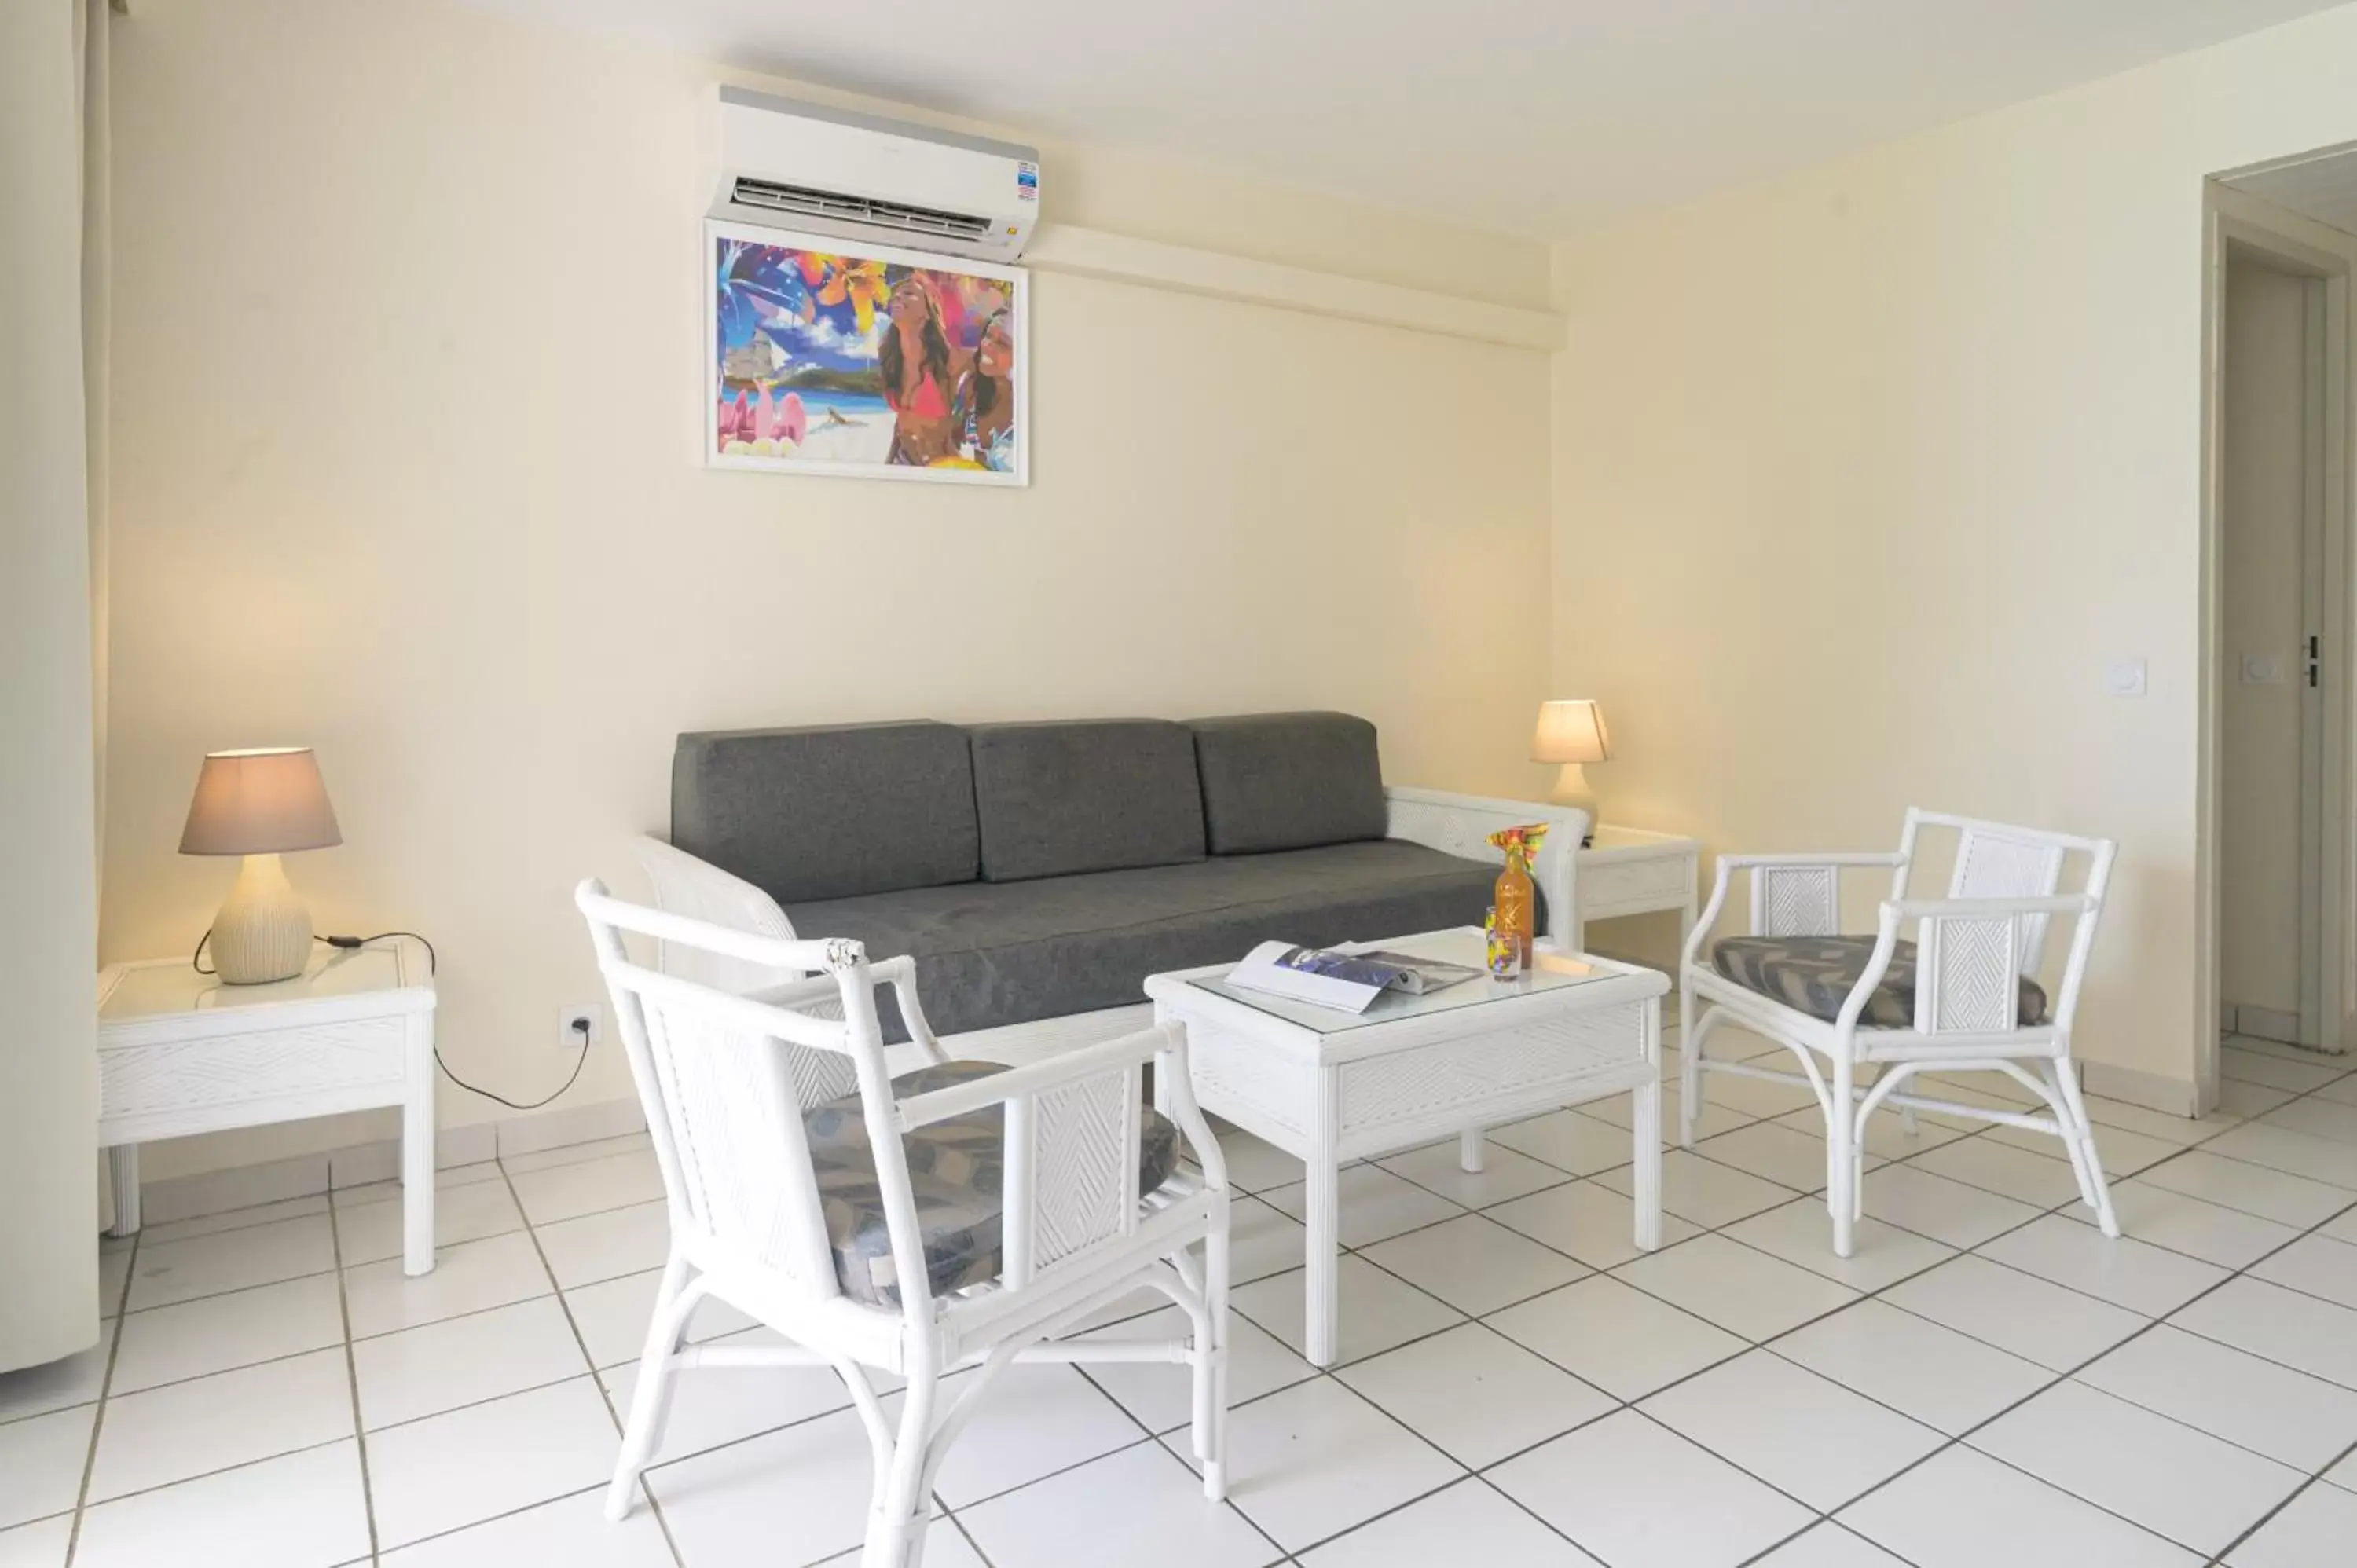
x,y
2235,219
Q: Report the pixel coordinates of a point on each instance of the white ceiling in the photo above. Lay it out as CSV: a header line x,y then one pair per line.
x,y
1538,117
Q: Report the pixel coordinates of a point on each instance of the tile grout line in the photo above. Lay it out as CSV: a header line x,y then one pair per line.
x,y
352,1377
1151,1436
2297,1492
581,1342
149,1491
98,1415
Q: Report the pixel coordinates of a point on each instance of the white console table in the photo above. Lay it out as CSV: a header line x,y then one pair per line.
x,y
180,1052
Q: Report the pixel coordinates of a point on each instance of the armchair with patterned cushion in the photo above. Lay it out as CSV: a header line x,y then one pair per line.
x,y
1865,1014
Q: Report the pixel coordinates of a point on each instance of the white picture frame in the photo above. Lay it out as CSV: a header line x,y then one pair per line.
x,y
843,408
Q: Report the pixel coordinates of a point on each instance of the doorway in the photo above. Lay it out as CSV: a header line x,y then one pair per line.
x,y
2273,862
2271,612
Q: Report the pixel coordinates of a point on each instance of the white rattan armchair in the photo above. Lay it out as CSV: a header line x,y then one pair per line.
x,y
729,1083
1974,959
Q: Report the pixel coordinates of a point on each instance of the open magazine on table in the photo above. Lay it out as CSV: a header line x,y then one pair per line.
x,y
1349,982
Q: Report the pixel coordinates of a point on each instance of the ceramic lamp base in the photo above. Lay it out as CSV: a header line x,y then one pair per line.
x,y
1571,789
263,930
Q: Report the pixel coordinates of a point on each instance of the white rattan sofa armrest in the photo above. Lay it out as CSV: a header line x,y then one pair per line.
x,y
684,885
1462,825
698,890
761,949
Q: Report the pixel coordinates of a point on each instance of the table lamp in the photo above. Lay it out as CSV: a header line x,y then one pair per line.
x,y
261,804
1572,732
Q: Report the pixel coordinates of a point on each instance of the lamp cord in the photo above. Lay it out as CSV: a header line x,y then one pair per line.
x,y
433,966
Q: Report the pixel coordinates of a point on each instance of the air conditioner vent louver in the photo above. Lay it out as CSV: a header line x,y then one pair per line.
x,y
812,203
854,179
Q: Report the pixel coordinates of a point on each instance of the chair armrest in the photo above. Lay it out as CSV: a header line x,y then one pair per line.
x,y
1722,876
1034,1078
1933,916
820,994
1462,825
1165,1044
1885,860
1897,909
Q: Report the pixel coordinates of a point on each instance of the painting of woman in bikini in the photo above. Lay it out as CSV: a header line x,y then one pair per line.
x,y
876,362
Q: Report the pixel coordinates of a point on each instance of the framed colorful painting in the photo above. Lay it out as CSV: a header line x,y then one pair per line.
x,y
831,357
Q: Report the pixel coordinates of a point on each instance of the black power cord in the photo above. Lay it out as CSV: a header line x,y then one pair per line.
x,y
432,965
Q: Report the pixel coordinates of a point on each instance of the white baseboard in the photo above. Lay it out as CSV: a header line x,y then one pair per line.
x,y
2265,1023
573,1124
241,1186
2153,1090
379,1159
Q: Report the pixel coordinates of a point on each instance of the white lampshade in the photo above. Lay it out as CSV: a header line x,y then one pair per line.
x,y
1571,730
263,802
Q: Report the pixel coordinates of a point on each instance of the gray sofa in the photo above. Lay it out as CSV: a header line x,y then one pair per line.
x,y
1043,870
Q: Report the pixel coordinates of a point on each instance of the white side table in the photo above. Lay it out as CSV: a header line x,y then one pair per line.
x,y
180,1052
1628,870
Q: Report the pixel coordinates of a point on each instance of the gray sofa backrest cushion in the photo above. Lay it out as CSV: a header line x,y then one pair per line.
x,y
829,812
1275,781
1098,795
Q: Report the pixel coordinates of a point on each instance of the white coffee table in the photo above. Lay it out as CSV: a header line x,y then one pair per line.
x,y
1330,1087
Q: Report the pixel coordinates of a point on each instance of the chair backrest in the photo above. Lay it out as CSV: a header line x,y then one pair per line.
x,y
726,1079
1959,985
1997,860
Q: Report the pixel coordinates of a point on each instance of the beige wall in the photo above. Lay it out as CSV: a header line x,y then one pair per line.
x,y
1862,475
405,414
2261,511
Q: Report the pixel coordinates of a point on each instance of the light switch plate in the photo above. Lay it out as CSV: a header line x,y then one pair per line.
x,y
2125,677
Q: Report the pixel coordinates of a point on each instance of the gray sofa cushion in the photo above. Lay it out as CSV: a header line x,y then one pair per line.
x,y
992,953
1099,795
829,812
1816,974
1275,781
957,1176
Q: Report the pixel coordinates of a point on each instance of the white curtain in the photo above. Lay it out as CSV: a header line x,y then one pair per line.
x,y
49,895
91,20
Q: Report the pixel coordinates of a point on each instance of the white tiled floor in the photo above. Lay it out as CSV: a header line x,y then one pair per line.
x,y
1988,1381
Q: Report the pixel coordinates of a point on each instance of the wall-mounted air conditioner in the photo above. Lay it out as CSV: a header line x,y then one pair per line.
x,y
823,171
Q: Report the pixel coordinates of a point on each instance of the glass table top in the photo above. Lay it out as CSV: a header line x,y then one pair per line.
x,y
149,990
1548,971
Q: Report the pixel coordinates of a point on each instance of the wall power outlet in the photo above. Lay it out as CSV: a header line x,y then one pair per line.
x,y
574,1020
